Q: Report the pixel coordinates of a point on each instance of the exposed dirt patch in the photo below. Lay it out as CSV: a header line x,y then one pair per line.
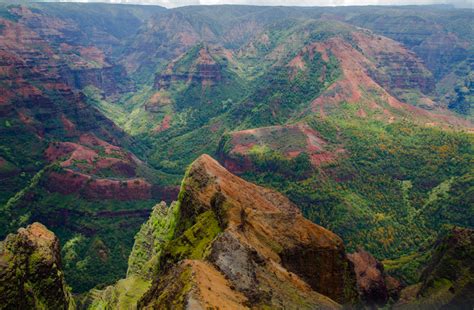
x,y
289,140
158,99
84,165
212,290
266,239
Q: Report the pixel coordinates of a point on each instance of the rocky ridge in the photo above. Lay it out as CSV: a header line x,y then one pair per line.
x,y
231,244
376,288
31,275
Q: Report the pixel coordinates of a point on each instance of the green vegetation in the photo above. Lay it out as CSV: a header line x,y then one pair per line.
x,y
392,190
31,277
123,295
7,220
97,240
446,277
407,268
151,240
194,241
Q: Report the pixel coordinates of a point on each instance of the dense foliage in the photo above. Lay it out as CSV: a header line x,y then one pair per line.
x,y
391,192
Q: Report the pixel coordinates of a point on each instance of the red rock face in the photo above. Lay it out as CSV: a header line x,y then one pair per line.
x,y
203,70
396,67
263,233
375,287
133,189
363,79
165,124
33,83
78,66
83,165
69,182
237,165
92,156
166,193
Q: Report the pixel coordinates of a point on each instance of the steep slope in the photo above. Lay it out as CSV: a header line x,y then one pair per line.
x,y
375,286
266,65
199,85
438,35
375,82
359,128
447,280
83,58
293,142
38,106
228,243
30,271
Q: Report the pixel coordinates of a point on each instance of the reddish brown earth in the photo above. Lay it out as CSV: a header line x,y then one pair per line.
x,y
289,140
39,39
157,101
34,81
92,154
203,69
355,79
397,68
71,182
165,124
84,163
37,91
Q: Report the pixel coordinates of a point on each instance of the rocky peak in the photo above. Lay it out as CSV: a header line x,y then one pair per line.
x,y
256,243
374,285
30,270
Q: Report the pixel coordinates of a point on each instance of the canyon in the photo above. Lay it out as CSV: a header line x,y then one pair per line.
x,y
360,117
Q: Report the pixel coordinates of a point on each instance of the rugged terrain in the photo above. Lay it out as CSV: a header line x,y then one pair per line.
x,y
58,152
447,280
31,275
361,121
230,244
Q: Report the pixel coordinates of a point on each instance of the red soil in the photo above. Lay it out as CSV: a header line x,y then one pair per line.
x,y
274,137
82,161
71,182
165,124
68,125
356,86
91,140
